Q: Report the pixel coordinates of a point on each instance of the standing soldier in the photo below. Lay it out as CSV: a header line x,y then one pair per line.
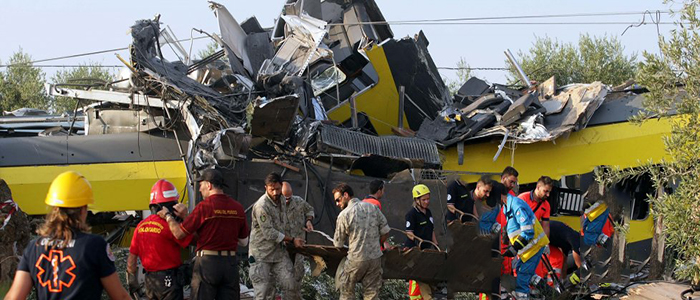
x,y
158,249
221,227
376,192
66,262
364,227
268,257
419,224
299,216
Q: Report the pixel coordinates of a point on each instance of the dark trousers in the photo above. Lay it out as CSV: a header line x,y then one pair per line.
x,y
215,277
163,285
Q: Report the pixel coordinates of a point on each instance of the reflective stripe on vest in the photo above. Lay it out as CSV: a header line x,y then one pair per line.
x,y
534,245
414,290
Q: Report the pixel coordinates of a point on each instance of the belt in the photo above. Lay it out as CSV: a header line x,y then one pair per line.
x,y
216,252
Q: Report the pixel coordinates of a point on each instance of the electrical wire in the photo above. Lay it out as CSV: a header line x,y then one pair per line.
x,y
423,21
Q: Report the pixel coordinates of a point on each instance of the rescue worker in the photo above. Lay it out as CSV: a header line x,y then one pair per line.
x,y
538,200
300,215
463,205
488,212
158,249
376,192
419,223
66,262
563,240
509,178
527,241
269,260
364,228
597,225
220,224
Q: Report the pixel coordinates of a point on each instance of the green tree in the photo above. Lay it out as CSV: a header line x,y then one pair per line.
x,y
21,84
593,59
85,76
673,80
463,73
211,48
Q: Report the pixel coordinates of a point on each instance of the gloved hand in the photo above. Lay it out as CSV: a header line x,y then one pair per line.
x,y
601,240
133,281
510,252
496,228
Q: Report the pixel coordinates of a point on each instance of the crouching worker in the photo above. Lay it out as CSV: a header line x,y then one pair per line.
x,y
363,227
158,249
65,262
527,241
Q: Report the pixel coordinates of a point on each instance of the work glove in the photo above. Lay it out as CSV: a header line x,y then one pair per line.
x,y
495,228
510,252
602,240
133,281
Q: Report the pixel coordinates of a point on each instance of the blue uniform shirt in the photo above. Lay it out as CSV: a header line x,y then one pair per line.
x,y
520,220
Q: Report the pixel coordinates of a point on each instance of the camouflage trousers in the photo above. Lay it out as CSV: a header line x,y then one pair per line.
x,y
368,272
264,275
299,270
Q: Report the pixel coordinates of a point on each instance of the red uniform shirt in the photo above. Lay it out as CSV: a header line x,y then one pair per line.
x,y
156,246
542,213
219,221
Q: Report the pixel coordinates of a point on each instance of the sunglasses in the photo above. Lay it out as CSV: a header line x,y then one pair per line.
x,y
337,200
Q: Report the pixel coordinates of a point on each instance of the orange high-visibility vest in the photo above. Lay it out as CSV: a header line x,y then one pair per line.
x,y
414,290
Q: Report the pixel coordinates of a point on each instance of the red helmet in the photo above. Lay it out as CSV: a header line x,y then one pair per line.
x,y
163,191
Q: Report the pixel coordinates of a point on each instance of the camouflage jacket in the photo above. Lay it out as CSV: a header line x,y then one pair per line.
x,y
361,224
298,211
268,223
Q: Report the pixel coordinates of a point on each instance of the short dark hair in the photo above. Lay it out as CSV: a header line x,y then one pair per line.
x,y
546,180
273,178
499,189
375,186
509,171
343,188
485,180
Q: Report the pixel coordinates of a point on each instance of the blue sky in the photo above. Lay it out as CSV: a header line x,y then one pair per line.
x,y
47,29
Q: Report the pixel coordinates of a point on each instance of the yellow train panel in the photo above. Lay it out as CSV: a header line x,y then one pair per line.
x,y
380,102
622,144
116,186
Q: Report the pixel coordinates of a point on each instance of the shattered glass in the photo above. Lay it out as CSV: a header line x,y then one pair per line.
x,y
327,79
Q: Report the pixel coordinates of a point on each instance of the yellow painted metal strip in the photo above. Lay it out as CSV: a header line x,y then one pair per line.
x,y
116,186
639,230
622,144
380,102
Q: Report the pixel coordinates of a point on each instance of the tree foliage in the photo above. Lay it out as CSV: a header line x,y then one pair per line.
x,y
211,48
593,59
82,77
463,73
21,84
673,80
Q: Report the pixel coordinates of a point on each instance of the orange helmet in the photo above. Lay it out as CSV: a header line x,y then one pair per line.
x,y
163,191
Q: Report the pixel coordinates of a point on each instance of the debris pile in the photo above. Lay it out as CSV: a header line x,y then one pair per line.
x,y
541,113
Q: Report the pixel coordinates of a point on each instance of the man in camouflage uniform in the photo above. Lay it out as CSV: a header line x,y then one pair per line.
x,y
299,216
364,227
268,257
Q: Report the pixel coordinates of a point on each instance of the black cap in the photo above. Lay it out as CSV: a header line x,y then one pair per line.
x,y
212,176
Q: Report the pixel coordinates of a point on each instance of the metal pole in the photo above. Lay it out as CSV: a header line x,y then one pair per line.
x,y
402,92
353,110
514,63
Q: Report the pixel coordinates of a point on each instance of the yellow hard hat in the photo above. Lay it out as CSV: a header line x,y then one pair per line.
x,y
69,189
420,190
